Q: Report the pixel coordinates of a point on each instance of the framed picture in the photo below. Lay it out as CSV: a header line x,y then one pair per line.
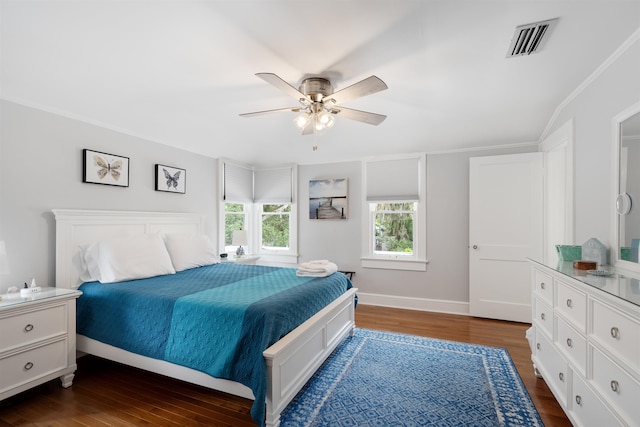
x,y
170,179
328,198
104,168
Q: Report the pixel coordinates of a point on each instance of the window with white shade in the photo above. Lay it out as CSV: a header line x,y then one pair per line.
x,y
260,201
394,229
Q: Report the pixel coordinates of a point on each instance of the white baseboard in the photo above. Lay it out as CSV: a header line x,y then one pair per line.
x,y
422,304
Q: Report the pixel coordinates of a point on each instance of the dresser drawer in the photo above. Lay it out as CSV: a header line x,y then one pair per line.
x,y
32,326
587,409
552,367
573,345
617,386
543,317
572,304
543,286
616,331
32,364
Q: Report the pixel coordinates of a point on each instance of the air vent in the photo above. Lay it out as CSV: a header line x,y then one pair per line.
x,y
530,38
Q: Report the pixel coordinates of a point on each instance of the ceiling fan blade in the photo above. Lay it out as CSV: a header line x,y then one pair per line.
x,y
361,116
279,110
282,85
363,88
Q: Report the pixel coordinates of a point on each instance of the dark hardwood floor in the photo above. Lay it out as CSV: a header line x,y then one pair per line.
x,y
108,394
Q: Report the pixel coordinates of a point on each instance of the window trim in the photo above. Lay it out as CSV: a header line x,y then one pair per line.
x,y
418,260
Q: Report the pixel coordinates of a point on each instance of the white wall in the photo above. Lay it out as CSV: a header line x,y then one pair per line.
x,y
41,169
613,90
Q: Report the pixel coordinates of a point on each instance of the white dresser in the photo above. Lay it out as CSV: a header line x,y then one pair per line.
x,y
37,339
586,343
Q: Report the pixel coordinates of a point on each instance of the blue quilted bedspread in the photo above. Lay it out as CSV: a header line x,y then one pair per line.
x,y
216,319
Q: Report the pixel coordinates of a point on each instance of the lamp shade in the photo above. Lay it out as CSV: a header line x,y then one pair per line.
x,y
4,260
239,238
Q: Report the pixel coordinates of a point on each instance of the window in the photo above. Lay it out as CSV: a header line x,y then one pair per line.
x,y
396,218
393,231
275,226
235,218
261,202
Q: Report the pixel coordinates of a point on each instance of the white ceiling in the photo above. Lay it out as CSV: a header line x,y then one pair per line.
x,y
181,72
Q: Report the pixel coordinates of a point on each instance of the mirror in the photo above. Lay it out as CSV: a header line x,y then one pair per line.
x,y
628,197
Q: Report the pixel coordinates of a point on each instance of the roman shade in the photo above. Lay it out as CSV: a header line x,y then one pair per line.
x,y
238,184
273,185
397,179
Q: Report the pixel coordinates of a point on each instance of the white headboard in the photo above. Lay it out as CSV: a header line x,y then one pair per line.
x,y
79,227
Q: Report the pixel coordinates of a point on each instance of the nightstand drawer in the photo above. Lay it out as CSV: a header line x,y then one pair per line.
x,y
32,326
619,333
32,364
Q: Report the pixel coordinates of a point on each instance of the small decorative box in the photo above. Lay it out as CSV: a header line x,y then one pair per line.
x,y
594,250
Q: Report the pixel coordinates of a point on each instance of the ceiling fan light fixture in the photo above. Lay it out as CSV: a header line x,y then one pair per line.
x,y
302,120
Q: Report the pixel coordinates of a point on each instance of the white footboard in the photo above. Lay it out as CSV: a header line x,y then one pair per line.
x,y
294,359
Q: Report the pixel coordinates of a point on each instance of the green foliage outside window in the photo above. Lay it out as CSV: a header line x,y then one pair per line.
x,y
394,227
275,225
233,220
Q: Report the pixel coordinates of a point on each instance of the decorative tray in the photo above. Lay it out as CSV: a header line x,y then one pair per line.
x,y
604,273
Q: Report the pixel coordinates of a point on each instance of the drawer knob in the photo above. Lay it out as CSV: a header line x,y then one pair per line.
x,y
28,366
542,285
579,399
569,303
615,332
561,376
538,346
615,387
569,342
28,328
542,316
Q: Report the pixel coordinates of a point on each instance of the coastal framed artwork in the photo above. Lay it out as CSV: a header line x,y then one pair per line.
x,y
170,179
104,168
328,198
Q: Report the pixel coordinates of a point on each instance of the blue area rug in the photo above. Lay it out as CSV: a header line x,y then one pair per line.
x,y
384,379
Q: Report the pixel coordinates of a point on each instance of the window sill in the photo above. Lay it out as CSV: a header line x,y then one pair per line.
x,y
272,258
395,264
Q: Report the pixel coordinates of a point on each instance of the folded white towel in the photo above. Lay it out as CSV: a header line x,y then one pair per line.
x,y
316,270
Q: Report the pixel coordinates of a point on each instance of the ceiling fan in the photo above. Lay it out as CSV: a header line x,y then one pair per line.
x,y
319,104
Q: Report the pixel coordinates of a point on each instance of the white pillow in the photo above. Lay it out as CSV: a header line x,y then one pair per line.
x,y
190,250
128,258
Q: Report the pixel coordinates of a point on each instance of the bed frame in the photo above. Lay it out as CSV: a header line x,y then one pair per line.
x,y
290,362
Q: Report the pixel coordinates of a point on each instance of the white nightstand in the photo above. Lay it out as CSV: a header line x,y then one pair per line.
x,y
245,259
37,339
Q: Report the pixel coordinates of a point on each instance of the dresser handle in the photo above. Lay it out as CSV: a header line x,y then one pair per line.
x,y
579,399
615,387
569,303
28,328
561,376
538,346
569,342
542,316
28,366
615,332
542,285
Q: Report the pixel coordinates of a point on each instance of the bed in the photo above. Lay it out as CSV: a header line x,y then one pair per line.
x,y
285,366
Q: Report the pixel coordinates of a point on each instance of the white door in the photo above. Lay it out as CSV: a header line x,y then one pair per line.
x,y
505,228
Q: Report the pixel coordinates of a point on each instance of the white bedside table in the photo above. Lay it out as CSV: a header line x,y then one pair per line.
x,y
245,259
38,339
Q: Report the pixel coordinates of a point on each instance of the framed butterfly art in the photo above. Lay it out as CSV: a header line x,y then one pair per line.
x,y
104,168
170,179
